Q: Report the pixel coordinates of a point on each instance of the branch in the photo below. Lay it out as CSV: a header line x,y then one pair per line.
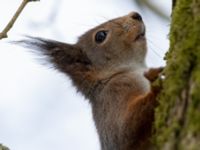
x,y
10,24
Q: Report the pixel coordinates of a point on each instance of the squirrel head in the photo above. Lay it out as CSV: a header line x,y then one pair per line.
x,y
117,44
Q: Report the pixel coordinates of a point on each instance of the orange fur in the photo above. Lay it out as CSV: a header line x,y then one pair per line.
x,y
107,65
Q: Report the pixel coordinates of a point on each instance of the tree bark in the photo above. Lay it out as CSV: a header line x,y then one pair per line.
x,y
177,118
3,147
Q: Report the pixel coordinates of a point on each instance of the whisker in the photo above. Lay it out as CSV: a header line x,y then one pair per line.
x,y
105,18
118,24
156,53
155,45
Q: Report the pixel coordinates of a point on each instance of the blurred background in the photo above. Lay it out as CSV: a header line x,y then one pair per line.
x,y
39,108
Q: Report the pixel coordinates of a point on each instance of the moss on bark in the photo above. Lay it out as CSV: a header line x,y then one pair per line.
x,y
177,119
3,147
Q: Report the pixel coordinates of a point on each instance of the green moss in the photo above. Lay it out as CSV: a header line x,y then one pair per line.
x,y
182,72
3,147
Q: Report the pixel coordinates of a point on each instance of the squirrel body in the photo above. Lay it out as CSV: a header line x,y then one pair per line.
x,y
107,65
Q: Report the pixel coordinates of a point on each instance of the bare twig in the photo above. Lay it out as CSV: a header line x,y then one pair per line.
x,y
10,24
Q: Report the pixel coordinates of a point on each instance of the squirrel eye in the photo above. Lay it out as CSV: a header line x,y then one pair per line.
x,y
100,36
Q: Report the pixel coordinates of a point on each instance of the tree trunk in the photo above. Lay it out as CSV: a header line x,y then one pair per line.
x,y
3,147
177,118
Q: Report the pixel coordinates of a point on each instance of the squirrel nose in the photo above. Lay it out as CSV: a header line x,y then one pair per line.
x,y
136,16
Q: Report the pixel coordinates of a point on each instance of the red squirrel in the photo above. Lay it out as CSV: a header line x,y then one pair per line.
x,y
107,65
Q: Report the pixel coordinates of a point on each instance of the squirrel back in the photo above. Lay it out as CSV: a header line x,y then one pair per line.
x,y
107,66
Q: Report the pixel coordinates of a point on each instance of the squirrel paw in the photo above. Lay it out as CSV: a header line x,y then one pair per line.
x,y
153,73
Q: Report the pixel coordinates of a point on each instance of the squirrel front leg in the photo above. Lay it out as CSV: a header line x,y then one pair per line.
x,y
153,73
140,113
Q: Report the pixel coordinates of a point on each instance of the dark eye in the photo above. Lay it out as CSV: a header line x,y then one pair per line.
x,y
100,36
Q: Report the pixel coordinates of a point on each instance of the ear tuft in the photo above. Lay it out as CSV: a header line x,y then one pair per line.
x,y
62,55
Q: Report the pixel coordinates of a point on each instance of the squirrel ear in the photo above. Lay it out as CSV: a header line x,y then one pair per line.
x,y
65,57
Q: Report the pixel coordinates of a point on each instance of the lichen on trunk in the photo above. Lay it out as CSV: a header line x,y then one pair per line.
x,y
177,118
